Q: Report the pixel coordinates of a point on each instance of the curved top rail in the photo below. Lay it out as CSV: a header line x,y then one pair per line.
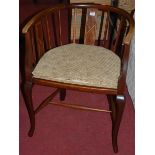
x,y
39,15
82,5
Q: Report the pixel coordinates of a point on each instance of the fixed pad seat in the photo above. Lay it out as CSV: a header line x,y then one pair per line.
x,y
80,64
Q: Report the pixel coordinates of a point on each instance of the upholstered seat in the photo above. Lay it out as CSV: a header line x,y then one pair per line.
x,y
80,64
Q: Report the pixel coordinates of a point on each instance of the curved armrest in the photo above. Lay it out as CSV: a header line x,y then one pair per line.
x,y
124,67
125,58
130,33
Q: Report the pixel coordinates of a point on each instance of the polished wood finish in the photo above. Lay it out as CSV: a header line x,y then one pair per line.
x,y
27,93
99,90
46,101
62,94
47,32
91,27
112,106
120,103
44,31
79,107
74,26
106,34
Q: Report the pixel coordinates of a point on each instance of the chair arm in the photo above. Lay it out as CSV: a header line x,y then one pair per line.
x,y
130,32
123,71
28,57
125,58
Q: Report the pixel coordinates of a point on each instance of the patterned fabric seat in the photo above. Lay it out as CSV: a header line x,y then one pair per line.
x,y
80,64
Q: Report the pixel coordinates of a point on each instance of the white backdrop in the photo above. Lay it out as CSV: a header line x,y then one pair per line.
x,y
131,71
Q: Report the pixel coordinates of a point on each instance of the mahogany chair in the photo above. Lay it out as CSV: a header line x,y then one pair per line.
x,y
92,59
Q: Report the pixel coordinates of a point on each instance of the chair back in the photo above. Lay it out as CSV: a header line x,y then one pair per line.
x,y
94,24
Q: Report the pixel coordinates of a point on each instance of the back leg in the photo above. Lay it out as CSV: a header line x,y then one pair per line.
x,y
112,106
62,94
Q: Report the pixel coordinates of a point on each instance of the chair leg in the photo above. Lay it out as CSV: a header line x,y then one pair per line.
x,y
62,94
112,106
120,103
28,101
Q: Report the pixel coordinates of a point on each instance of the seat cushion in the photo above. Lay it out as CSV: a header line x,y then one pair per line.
x,y
79,64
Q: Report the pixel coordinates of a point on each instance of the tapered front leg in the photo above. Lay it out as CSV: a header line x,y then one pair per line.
x,y
62,94
120,103
28,101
